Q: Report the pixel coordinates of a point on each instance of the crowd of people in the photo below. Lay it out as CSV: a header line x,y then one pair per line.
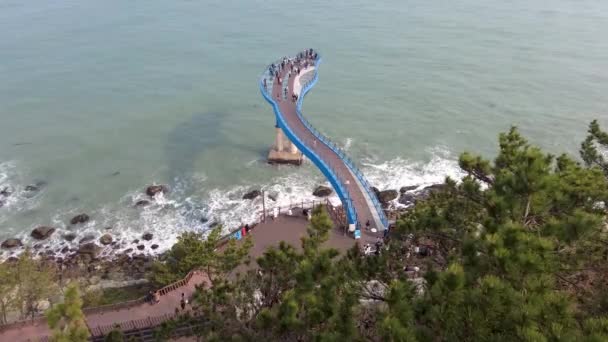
x,y
293,66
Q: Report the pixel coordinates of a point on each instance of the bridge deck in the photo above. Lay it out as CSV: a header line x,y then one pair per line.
x,y
363,204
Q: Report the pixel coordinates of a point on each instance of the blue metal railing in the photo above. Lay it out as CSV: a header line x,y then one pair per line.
x,y
334,147
327,171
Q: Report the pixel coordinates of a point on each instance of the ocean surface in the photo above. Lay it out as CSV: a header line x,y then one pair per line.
x,y
99,99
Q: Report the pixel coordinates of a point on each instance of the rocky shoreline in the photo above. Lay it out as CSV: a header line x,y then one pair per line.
x,y
123,260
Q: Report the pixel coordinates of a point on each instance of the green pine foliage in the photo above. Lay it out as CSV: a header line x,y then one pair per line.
x,y
66,319
195,251
519,253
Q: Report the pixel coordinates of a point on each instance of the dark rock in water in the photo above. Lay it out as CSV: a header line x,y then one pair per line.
x,y
89,249
37,246
42,232
135,241
128,250
12,259
65,249
387,196
141,247
81,218
204,220
87,238
214,224
322,191
273,196
116,173
108,228
142,203
147,236
36,186
407,199
152,190
6,192
105,239
31,188
69,237
405,189
426,192
11,243
376,191
154,246
252,194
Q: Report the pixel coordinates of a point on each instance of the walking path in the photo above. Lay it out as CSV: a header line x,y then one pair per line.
x,y
102,320
354,191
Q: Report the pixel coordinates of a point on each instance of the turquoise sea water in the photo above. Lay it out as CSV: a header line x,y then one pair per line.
x,y
166,92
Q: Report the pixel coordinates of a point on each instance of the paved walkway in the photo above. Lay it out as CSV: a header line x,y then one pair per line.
x,y
266,234
104,320
364,207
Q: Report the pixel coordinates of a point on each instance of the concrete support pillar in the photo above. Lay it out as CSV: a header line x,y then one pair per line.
x,y
278,142
284,151
293,148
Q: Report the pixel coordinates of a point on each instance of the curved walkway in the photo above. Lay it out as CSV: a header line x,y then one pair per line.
x,y
352,188
101,320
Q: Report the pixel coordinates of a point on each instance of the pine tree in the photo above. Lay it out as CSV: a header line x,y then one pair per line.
x,y
8,287
67,320
34,283
195,251
594,148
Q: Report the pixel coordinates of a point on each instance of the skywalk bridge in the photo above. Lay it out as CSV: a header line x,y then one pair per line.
x,y
278,84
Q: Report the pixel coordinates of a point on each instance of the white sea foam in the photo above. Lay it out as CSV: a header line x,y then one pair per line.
x,y
181,209
11,180
399,172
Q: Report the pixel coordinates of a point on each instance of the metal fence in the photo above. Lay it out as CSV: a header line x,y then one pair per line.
x,y
328,171
328,142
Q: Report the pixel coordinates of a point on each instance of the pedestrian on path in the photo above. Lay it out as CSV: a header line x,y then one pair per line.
x,y
182,302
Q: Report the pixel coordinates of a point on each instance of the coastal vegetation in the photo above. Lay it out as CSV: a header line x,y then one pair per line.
x,y
67,320
515,250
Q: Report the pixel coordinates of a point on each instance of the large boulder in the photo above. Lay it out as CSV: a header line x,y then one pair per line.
x,y
427,191
87,238
147,236
322,191
152,190
90,249
387,196
252,194
69,237
42,232
376,191
407,199
81,218
11,243
105,239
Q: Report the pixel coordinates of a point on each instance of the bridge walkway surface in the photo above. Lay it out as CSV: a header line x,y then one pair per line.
x,y
354,191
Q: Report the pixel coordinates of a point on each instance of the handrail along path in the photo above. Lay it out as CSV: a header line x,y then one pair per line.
x,y
351,186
